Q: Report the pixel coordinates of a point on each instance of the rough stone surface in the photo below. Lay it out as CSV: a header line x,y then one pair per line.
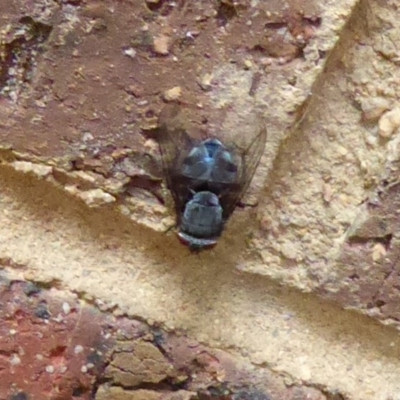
x,y
98,72
48,353
83,207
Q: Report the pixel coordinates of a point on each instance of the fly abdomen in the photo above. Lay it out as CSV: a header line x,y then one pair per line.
x,y
210,161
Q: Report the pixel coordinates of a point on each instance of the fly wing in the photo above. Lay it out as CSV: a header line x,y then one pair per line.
x,y
173,140
248,160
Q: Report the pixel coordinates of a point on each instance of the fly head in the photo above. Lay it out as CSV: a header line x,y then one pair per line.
x,y
202,221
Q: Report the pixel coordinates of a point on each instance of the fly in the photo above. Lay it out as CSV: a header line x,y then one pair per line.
x,y
206,177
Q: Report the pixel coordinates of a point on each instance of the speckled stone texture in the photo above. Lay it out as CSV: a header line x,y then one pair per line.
x,y
53,346
56,346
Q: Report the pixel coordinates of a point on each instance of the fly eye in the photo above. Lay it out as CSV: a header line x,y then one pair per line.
x,y
213,202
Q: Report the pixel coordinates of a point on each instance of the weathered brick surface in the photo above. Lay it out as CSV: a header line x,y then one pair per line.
x,y
368,278
96,73
52,345
81,86
86,102
55,346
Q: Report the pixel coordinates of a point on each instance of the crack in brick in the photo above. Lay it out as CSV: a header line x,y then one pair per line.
x,y
19,50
